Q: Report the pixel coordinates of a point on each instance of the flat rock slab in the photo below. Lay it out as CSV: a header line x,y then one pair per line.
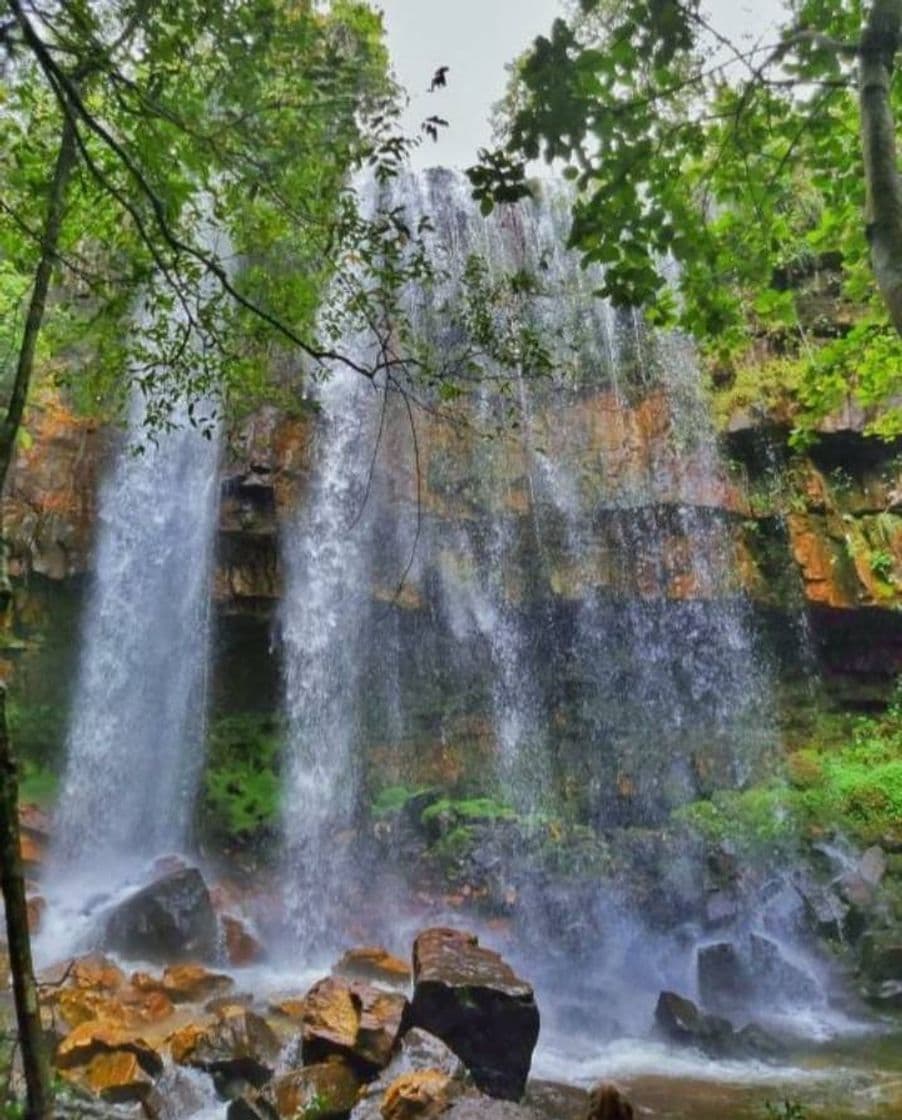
x,y
471,999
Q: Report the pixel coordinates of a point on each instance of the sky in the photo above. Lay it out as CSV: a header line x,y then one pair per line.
x,y
476,39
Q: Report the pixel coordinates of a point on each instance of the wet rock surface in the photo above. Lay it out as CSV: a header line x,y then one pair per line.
x,y
169,920
353,1020
679,1021
471,999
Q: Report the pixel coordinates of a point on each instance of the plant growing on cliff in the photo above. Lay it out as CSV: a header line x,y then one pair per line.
x,y
766,169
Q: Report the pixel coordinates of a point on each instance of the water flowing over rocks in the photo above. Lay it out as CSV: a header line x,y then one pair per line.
x,y
472,1000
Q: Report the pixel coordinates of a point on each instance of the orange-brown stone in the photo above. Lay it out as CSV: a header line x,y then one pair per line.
x,y
192,983
374,963
242,948
89,1039
118,1077
420,1095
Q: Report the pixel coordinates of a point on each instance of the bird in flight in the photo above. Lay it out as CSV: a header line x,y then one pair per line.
x,y
439,79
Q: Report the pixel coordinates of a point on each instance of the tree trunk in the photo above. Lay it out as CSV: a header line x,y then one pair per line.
x,y
9,429
879,45
28,1012
39,1105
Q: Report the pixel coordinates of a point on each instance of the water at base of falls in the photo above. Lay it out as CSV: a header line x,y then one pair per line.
x,y
135,741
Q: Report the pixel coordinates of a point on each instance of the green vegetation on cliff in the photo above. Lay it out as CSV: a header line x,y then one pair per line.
x,y
847,779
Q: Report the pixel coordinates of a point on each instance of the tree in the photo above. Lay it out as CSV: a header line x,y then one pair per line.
x,y
752,165
191,158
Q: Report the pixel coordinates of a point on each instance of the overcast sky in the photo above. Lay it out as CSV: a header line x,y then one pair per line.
x,y
476,38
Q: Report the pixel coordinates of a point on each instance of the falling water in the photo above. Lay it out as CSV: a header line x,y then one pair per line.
x,y
574,578
135,738
325,609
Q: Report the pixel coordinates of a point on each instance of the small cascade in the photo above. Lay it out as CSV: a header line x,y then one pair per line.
x,y
136,731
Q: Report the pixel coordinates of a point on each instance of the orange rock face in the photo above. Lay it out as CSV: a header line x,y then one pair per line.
x,y
92,1038
351,1019
421,1095
119,1077
330,1088
374,963
192,983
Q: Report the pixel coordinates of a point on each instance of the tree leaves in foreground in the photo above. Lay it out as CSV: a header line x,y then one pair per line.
x,y
208,203
766,169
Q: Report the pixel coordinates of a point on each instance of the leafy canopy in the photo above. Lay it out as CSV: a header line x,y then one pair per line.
x,y
214,146
739,162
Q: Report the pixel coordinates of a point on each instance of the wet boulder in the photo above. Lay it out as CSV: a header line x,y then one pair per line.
x,y
419,1095
237,1049
418,1052
82,1045
679,1020
328,1090
471,999
732,976
192,983
374,965
171,919
352,1020
117,1076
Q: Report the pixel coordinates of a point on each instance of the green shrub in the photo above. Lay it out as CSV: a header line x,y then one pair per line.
x,y
242,783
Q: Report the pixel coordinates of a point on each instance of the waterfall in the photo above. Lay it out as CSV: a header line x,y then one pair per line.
x,y
134,745
324,616
572,626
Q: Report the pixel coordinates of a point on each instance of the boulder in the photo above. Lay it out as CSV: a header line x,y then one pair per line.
x,y
731,976
352,1020
330,1088
872,866
251,1108
119,1077
85,1042
239,1047
417,1052
97,973
171,919
242,948
374,965
606,1102
471,999
419,1095
192,983
723,980
679,1020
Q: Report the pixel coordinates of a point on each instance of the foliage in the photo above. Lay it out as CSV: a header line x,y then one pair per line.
x,y
741,164
393,799
241,793
847,779
468,810
37,785
39,730
211,192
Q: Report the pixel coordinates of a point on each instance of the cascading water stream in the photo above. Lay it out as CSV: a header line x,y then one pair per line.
x,y
136,730
325,555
